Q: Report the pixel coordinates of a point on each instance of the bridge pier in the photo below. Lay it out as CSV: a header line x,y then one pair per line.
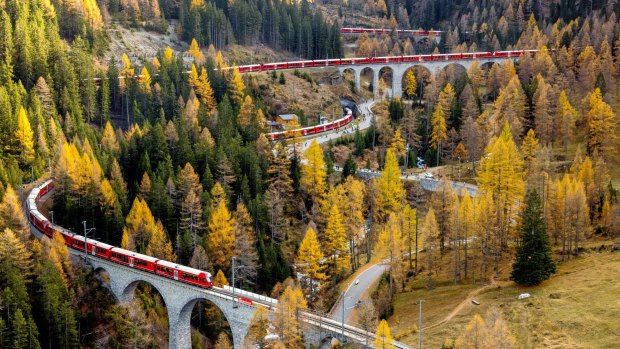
x,y
180,300
399,69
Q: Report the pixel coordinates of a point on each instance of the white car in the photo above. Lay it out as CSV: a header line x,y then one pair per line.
x,y
357,281
429,175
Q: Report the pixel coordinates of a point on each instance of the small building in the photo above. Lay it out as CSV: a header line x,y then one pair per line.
x,y
275,126
288,120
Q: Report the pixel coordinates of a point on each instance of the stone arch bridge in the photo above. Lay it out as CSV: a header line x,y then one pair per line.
x,y
180,299
431,63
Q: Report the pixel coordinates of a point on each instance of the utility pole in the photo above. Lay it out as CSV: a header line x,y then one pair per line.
x,y
86,231
420,328
234,260
342,297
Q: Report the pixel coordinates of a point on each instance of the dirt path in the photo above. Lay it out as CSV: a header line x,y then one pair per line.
x,y
470,296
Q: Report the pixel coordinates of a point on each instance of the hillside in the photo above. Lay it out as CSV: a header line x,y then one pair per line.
x,y
563,312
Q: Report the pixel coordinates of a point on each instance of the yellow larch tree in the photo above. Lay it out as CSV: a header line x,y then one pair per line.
x,y
246,111
220,63
309,258
501,172
156,64
108,139
11,213
410,234
446,100
259,329
236,86
159,245
221,238
410,83
223,342
168,55
195,51
313,172
439,132
475,335
127,72
13,249
529,146
23,135
465,227
601,126
205,91
565,118
192,77
335,241
145,186
383,338
430,231
145,80
391,191
139,226
220,278
286,317
398,143
351,206
92,14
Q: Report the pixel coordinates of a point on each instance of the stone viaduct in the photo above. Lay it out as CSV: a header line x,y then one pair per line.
x,y
399,69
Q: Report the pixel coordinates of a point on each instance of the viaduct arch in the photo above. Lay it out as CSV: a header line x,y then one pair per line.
x,y
399,70
179,305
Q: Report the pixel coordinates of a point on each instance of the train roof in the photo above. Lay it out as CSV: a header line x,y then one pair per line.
x,y
39,216
181,267
62,230
33,193
134,254
93,242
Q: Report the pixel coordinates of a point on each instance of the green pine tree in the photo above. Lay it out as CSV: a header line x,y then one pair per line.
x,y
534,263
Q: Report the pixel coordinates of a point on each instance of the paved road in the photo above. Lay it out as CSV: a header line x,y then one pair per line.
x,y
354,292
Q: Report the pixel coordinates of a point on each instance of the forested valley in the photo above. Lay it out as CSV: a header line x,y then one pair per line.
x,y
176,164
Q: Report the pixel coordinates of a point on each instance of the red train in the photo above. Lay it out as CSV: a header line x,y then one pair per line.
x,y
413,32
114,254
307,131
317,63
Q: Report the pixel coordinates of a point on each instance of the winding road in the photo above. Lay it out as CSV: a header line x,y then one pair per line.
x,y
368,277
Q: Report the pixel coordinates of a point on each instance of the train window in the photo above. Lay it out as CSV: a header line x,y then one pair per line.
x,y
141,262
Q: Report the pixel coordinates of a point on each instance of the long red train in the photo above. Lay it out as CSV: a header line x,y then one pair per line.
x,y
114,254
317,63
311,130
336,62
414,32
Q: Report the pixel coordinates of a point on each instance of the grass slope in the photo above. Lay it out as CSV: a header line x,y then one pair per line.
x,y
577,308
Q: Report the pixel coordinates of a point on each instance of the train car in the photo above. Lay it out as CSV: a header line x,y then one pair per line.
x,y
133,259
245,301
249,68
183,273
66,234
39,221
346,61
98,248
415,58
45,188
78,242
365,60
268,66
